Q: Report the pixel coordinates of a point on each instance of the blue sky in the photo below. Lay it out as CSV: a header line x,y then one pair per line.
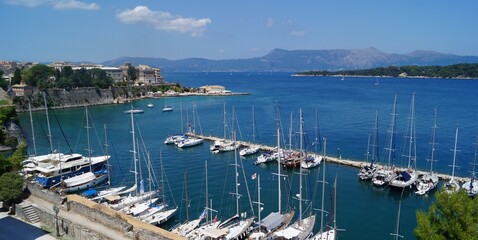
x,y
94,30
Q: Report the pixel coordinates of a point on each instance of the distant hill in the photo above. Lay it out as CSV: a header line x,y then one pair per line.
x,y
280,60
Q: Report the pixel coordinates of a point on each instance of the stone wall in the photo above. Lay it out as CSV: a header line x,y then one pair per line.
x,y
67,227
99,215
46,195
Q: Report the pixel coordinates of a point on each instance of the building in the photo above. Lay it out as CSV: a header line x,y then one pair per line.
x,y
22,89
8,67
148,75
116,74
214,89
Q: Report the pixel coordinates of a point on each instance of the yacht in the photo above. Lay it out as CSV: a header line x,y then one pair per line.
x,y
167,108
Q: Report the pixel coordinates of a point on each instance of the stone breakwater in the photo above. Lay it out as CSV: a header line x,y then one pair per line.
x,y
335,160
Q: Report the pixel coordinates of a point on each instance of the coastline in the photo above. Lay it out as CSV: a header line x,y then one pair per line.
x,y
367,76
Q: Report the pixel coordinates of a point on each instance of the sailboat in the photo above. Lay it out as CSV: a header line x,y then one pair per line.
x,y
275,221
313,160
429,181
367,172
193,230
303,227
452,185
224,145
236,225
188,226
253,147
87,179
190,141
330,232
158,214
383,175
471,187
138,196
407,178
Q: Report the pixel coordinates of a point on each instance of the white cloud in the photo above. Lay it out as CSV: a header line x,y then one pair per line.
x,y
164,20
56,4
73,4
297,33
269,22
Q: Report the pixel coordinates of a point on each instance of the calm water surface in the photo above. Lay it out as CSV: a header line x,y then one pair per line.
x,y
346,112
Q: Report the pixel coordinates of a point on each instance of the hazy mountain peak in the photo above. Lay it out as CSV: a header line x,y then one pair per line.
x,y
282,60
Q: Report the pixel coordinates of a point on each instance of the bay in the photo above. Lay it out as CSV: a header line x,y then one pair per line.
x,y
346,111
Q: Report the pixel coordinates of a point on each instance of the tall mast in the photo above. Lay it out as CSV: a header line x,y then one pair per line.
x,y
48,123
367,154
181,120
432,159
134,153
236,175
454,155
278,169
107,157
290,131
259,203
162,176
375,152
33,131
323,186
391,147
253,125
186,190
412,132
188,123
225,123
397,227
88,137
300,168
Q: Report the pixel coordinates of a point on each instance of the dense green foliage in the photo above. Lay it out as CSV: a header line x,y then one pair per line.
x,y
44,77
17,77
452,216
3,82
465,70
11,187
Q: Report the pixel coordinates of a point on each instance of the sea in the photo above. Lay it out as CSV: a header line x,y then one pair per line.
x,y
338,112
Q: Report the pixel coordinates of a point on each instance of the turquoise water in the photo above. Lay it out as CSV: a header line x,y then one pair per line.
x,y
346,112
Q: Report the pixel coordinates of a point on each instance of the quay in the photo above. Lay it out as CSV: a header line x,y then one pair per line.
x,y
335,160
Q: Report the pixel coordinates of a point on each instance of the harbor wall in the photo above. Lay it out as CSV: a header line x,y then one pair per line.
x,y
129,227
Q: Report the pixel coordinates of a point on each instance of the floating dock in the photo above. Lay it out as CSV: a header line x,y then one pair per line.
x,y
340,161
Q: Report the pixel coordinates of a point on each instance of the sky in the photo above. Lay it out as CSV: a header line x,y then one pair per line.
x,y
101,30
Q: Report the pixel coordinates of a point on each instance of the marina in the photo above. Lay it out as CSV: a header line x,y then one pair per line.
x,y
346,146
344,162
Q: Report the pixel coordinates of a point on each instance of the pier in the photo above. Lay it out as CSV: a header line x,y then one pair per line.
x,y
345,162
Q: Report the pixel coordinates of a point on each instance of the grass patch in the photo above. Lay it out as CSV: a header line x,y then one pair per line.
x,y
5,102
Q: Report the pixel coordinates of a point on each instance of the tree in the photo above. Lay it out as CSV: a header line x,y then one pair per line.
x,y
3,83
452,216
132,73
17,77
11,187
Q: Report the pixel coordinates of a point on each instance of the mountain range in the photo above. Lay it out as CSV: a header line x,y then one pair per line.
x,y
280,60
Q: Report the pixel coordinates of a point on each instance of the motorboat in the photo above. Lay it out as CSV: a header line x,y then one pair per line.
x,y
167,108
189,142
134,111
